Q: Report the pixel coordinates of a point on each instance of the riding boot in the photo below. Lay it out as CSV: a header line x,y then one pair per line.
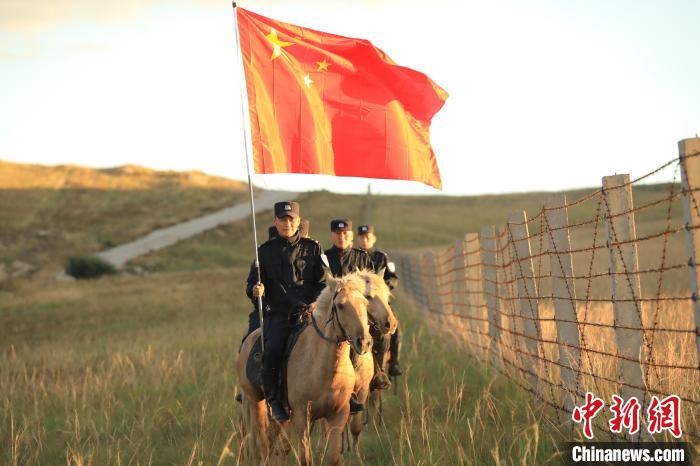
x,y
270,386
355,406
394,350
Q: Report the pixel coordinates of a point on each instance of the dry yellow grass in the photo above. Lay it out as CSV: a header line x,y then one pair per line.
x,y
29,176
139,370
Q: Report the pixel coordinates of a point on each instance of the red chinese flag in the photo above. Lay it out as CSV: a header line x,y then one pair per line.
x,y
333,105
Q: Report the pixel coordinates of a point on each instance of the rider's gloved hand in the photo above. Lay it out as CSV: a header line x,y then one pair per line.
x,y
258,290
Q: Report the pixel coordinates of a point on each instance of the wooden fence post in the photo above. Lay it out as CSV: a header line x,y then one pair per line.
x,y
564,292
689,152
488,258
459,294
626,289
473,276
524,272
510,342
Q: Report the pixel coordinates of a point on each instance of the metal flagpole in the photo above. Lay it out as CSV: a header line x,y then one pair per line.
x,y
247,164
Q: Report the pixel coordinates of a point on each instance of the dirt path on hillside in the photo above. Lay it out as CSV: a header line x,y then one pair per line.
x,y
165,237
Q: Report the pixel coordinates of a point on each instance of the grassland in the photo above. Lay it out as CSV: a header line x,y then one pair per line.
x,y
405,223
138,370
48,214
133,370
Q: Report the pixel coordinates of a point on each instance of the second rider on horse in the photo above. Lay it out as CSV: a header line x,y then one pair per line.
x,y
344,259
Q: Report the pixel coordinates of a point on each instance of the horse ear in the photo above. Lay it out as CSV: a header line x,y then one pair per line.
x,y
381,272
330,280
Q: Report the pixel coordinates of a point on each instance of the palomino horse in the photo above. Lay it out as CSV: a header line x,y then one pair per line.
x,y
320,375
382,318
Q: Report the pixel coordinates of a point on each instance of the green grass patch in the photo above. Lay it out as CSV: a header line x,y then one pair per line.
x,y
140,369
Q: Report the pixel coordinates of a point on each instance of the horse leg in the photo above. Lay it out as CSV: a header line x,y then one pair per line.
x,y
279,441
260,429
356,421
375,403
300,425
336,425
322,426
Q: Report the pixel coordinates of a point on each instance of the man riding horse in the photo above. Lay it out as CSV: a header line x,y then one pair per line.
x,y
291,278
254,316
366,238
344,259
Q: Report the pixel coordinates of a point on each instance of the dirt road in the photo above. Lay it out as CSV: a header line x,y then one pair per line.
x,y
164,237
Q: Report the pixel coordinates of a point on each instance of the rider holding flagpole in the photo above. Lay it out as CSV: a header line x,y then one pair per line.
x,y
291,278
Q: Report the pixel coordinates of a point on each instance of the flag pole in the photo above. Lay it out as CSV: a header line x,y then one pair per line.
x,y
239,62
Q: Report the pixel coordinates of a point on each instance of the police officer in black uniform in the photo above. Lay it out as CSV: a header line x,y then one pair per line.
x,y
254,316
366,239
344,259
291,273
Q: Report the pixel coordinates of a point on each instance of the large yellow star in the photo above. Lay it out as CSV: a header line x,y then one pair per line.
x,y
276,43
323,65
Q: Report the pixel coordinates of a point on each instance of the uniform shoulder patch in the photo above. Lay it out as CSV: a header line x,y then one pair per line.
x,y
391,266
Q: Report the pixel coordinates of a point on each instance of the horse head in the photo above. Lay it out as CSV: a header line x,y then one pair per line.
x,y
342,306
377,293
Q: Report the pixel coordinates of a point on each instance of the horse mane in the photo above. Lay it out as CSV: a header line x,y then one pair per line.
x,y
351,281
378,286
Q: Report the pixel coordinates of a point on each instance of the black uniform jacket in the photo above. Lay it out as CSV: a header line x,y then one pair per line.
x,y
345,261
291,271
381,260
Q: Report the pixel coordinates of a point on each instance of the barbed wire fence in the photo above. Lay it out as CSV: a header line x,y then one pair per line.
x,y
591,295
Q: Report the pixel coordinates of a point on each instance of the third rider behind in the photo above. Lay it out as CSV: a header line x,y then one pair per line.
x,y
366,239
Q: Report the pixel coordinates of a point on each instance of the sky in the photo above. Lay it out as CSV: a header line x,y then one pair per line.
x,y
544,94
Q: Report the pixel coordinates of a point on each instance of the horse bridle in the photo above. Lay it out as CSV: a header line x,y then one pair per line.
x,y
373,323
333,316
371,320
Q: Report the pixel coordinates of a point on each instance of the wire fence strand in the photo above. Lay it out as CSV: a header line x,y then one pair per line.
x,y
497,293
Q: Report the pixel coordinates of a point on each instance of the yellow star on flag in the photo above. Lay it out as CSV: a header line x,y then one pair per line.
x,y
277,44
307,80
323,65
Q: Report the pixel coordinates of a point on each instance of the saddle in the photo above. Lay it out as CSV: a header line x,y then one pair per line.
x,y
254,369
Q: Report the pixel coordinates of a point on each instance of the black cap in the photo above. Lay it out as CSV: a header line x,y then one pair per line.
x,y
287,209
341,224
364,229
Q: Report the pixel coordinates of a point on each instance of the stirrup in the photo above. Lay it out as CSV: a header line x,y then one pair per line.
x,y
356,406
278,412
395,370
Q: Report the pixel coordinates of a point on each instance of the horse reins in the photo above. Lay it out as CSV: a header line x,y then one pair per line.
x,y
334,315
